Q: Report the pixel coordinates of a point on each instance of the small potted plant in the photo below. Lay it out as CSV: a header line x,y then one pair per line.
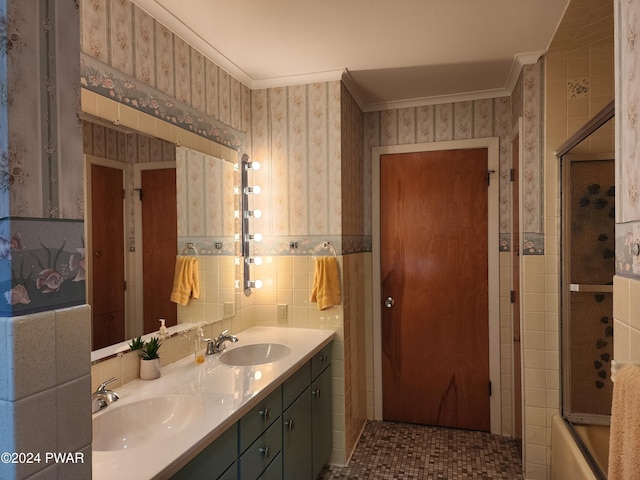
x,y
136,344
150,360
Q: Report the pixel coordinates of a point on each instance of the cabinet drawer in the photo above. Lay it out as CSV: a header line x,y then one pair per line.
x,y
262,452
260,418
214,459
274,470
294,386
320,361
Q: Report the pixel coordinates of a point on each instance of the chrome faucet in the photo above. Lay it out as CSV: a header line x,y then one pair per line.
x,y
217,345
102,397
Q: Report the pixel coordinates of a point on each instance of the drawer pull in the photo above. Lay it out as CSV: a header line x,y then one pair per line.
x,y
266,414
316,393
289,424
323,358
265,451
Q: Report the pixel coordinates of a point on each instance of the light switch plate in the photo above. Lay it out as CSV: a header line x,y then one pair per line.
x,y
229,309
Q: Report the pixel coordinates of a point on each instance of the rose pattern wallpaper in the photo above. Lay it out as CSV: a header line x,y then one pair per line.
x,y
47,259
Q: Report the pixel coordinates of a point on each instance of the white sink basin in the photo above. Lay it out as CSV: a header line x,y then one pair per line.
x,y
255,354
141,423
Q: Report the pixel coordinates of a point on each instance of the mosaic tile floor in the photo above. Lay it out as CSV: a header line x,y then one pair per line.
x,y
390,450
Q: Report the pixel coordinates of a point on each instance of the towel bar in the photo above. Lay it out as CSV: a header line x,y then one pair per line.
x,y
322,245
189,248
615,366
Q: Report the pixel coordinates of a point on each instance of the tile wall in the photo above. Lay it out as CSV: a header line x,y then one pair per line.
x,y
579,82
44,390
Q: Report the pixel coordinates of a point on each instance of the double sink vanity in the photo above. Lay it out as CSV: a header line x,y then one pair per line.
x,y
261,409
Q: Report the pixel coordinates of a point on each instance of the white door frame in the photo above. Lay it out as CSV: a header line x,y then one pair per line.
x,y
492,145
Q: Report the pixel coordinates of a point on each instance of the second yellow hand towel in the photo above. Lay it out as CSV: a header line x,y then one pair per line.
x,y
326,283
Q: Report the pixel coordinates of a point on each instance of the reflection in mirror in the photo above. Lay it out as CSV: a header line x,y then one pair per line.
x,y
132,239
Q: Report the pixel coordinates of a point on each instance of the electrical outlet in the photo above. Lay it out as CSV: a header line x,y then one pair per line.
x,y
282,313
229,309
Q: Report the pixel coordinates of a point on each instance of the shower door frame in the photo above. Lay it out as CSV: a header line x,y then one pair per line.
x,y
567,288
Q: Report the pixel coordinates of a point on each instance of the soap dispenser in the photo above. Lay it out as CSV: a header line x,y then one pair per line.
x,y
163,328
200,345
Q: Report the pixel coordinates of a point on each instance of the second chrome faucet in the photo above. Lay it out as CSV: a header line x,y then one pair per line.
x,y
218,344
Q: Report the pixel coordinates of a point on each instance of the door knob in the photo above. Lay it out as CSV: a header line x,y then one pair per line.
x,y
389,302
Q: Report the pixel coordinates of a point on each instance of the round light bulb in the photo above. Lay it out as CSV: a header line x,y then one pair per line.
x,y
257,213
257,237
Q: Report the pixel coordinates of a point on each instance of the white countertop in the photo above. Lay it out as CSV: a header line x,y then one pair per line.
x,y
228,392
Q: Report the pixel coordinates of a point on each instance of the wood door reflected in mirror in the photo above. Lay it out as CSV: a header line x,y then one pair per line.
x,y
129,279
107,257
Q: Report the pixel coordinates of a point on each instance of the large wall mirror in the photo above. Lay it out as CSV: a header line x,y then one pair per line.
x,y
147,201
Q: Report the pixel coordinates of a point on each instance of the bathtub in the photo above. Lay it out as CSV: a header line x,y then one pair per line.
x,y
567,459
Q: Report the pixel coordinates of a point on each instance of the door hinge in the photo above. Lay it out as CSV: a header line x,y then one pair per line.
x,y
124,194
489,172
139,190
125,285
489,388
512,175
512,296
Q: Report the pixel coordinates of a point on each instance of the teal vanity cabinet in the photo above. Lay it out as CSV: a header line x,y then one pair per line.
x,y
287,435
297,447
260,436
217,461
321,417
307,431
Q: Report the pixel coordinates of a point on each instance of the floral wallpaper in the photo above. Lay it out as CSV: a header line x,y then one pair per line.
x,y
45,85
206,202
296,135
627,142
628,111
41,231
129,56
450,121
480,119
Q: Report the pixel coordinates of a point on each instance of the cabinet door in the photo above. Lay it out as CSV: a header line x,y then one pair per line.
x,y
274,470
214,459
296,438
321,420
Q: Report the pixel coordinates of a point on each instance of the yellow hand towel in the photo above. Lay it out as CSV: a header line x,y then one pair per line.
x,y
326,283
624,441
186,282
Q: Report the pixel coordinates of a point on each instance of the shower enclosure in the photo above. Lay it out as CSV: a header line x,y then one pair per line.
x,y
588,267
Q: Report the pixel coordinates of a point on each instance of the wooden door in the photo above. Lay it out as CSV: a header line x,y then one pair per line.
x,y
159,245
515,293
107,251
434,269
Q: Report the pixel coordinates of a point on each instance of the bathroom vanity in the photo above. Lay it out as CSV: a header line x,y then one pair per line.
x,y
261,409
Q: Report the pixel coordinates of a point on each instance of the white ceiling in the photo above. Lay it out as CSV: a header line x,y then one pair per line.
x,y
391,53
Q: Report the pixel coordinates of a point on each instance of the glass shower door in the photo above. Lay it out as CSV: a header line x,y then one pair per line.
x,y
588,267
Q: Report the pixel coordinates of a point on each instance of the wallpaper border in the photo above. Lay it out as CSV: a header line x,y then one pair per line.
x,y
108,82
48,271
